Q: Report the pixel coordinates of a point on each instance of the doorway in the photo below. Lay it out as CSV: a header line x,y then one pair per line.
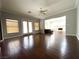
x,y
56,24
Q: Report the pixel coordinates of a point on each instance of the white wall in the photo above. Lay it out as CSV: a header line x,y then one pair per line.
x,y
71,21
78,21
20,18
0,4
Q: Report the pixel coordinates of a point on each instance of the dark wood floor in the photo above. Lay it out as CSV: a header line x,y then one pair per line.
x,y
40,47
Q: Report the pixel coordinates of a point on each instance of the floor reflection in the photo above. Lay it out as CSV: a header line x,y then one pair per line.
x,y
63,47
28,42
0,51
13,47
37,39
50,40
31,41
54,42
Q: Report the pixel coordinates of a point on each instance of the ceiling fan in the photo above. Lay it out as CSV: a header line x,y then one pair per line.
x,y
43,11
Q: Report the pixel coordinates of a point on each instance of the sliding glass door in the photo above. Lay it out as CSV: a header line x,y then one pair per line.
x,y
30,27
25,29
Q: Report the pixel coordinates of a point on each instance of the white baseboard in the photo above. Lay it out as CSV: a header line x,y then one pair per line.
x,y
19,35
71,34
78,37
12,37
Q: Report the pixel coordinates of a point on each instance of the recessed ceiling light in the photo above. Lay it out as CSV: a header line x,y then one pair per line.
x,y
40,8
29,12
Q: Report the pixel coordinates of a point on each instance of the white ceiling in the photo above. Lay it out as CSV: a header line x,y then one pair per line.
x,y
23,6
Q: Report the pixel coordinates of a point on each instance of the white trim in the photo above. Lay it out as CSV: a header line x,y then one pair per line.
x,y
78,37
71,34
12,37
18,36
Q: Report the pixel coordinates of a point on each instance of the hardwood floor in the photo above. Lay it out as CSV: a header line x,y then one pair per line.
x,y
40,47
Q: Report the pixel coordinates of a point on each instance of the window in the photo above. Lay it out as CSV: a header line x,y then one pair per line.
x,y
12,26
25,27
30,26
36,25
